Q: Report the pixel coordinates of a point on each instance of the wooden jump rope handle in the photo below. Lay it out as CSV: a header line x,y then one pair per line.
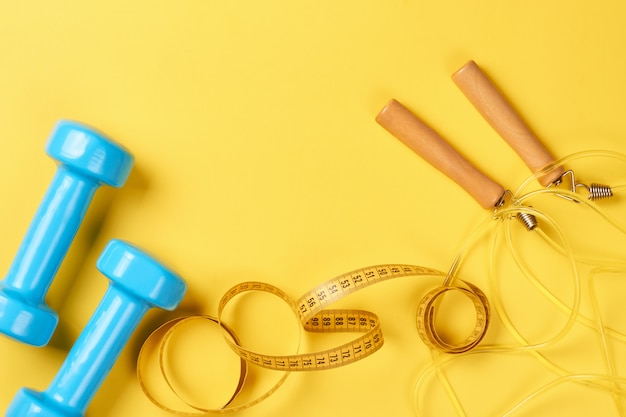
x,y
424,141
492,105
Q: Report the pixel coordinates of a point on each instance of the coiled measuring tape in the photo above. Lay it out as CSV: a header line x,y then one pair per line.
x,y
314,316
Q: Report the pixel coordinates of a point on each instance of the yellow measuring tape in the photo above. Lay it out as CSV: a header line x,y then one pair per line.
x,y
314,316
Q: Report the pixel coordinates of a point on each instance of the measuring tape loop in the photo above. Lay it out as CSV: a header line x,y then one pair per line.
x,y
426,318
315,316
332,358
162,336
323,321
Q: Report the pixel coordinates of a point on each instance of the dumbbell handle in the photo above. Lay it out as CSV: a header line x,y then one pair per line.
x,y
499,113
427,143
50,234
96,349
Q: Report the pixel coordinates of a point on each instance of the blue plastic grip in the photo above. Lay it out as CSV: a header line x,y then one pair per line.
x,y
86,159
138,282
50,234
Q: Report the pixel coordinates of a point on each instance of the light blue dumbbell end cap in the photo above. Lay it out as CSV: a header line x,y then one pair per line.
x,y
30,324
90,152
29,403
141,275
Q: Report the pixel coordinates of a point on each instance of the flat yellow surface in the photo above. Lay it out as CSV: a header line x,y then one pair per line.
x,y
258,158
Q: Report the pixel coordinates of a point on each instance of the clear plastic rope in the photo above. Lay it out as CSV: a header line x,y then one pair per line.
x,y
499,234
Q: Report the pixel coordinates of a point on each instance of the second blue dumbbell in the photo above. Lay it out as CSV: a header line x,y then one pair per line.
x,y
86,160
138,282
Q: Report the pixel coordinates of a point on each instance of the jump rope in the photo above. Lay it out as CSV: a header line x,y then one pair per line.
x,y
559,183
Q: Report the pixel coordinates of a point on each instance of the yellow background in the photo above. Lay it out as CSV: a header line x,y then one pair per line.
x,y
258,158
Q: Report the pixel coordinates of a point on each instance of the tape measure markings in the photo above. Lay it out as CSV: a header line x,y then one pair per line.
x,y
324,321
337,288
426,318
314,317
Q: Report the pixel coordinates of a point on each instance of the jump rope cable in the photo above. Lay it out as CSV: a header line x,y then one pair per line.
x,y
610,382
600,266
439,360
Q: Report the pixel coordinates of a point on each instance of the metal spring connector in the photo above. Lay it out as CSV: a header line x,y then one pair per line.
x,y
599,192
596,191
527,219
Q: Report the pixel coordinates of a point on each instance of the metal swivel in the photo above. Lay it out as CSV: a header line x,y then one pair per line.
x,y
595,191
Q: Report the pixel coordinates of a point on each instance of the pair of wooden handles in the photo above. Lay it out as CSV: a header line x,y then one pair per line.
x,y
492,105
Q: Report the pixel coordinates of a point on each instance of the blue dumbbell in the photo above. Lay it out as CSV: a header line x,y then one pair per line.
x,y
138,282
86,160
